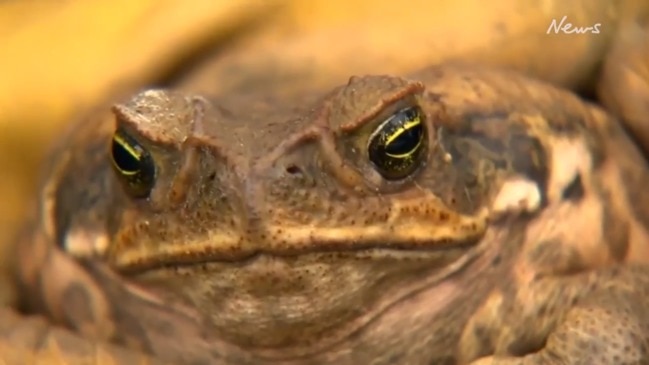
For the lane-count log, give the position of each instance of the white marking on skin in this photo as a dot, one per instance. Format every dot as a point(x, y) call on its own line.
point(516, 195)
point(575, 226)
point(85, 243)
point(569, 157)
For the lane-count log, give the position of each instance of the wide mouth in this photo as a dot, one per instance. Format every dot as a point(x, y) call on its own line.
point(236, 246)
point(134, 263)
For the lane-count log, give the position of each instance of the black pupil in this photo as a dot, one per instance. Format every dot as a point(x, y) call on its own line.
point(406, 141)
point(125, 160)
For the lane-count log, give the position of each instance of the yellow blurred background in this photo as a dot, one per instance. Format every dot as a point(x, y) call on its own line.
point(59, 59)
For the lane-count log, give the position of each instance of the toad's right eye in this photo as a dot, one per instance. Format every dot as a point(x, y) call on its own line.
point(397, 147)
point(133, 165)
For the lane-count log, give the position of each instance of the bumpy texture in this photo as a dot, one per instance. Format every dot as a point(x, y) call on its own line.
point(459, 215)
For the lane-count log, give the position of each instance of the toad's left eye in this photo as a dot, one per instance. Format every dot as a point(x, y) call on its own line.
point(397, 146)
point(133, 164)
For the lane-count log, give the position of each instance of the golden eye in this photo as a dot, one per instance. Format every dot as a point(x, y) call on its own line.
point(397, 145)
point(133, 165)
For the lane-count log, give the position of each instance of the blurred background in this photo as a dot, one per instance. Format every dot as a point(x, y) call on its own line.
point(61, 59)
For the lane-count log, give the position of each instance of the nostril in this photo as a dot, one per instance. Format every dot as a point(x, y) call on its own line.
point(293, 169)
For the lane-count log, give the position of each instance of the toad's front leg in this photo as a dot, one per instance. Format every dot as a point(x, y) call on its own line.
point(599, 317)
point(32, 340)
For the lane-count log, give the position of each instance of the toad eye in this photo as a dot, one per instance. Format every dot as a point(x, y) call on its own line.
point(396, 147)
point(133, 164)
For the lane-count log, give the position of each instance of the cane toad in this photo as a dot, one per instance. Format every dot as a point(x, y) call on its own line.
point(459, 215)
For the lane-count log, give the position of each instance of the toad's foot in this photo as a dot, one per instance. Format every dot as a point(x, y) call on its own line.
point(609, 325)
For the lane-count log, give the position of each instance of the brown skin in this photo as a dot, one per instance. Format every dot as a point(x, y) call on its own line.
point(516, 234)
